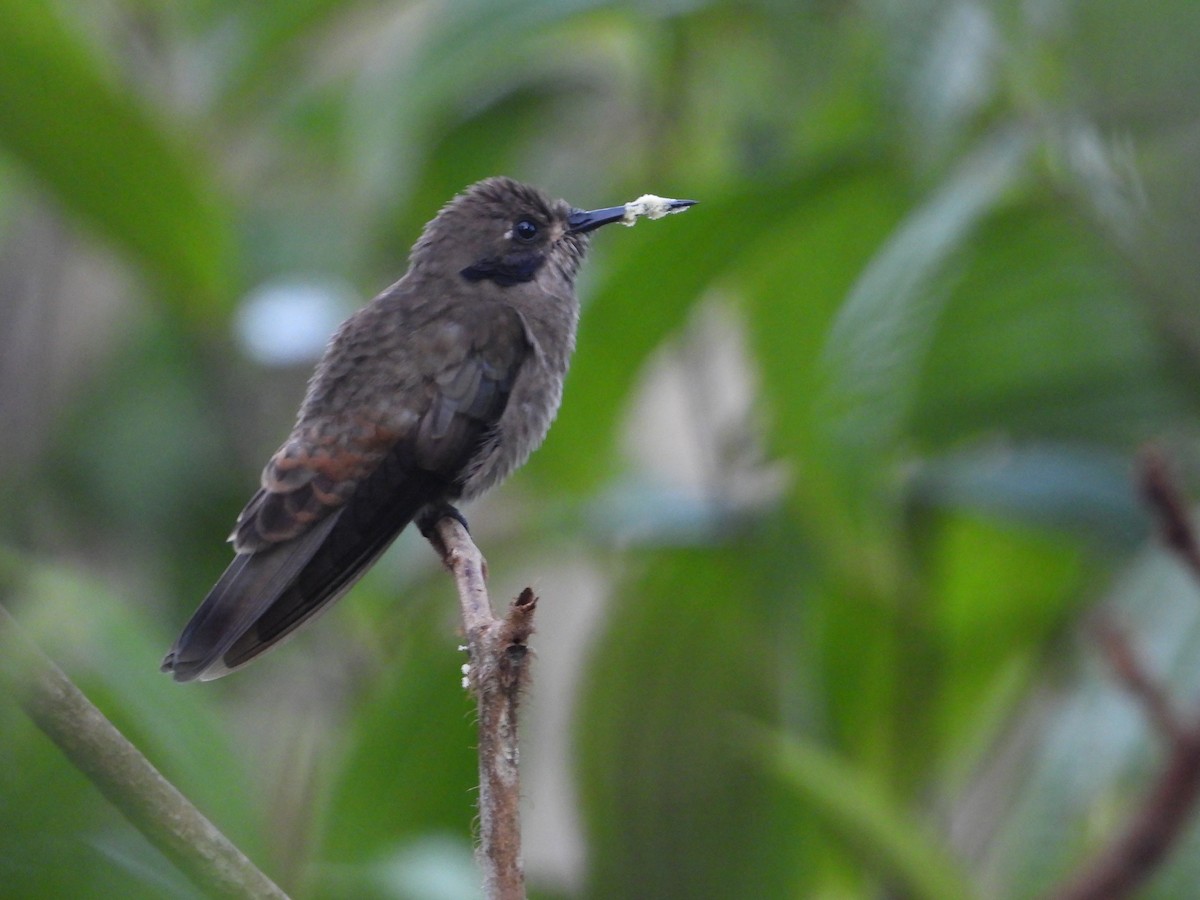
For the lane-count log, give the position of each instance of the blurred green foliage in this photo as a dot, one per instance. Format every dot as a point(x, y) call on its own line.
point(843, 466)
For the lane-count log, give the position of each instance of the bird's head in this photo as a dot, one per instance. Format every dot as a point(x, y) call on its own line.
point(501, 232)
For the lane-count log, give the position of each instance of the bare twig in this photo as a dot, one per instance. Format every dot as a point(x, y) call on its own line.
point(1160, 819)
point(1167, 503)
point(497, 652)
point(1135, 679)
point(1165, 811)
point(123, 774)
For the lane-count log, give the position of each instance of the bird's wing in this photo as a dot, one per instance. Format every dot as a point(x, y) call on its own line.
point(347, 482)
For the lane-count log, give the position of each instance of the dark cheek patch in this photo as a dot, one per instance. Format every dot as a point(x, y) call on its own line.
point(510, 269)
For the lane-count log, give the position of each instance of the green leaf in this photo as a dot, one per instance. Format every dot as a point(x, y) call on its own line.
point(409, 768)
point(1083, 489)
point(998, 593)
point(1042, 339)
point(673, 808)
point(795, 282)
point(72, 838)
point(108, 159)
point(878, 342)
point(862, 811)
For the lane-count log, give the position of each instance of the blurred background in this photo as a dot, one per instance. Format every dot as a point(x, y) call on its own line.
point(842, 474)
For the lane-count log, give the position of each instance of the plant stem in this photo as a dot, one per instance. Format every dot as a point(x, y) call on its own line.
point(122, 774)
point(498, 654)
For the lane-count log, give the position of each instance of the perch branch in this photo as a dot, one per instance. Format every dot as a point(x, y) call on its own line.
point(122, 774)
point(1164, 812)
point(497, 651)
point(1169, 507)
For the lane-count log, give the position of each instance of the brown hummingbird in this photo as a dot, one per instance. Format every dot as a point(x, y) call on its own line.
point(430, 394)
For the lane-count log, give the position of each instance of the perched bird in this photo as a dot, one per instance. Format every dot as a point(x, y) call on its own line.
point(430, 394)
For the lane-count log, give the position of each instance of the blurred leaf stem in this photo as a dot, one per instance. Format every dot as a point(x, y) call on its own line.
point(94, 746)
point(857, 808)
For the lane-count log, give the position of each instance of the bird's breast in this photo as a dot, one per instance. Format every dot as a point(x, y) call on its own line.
point(531, 409)
point(536, 394)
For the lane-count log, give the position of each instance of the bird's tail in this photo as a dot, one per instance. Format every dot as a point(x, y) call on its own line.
point(264, 596)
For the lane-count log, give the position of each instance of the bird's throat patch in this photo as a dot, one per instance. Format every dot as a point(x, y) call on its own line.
point(510, 269)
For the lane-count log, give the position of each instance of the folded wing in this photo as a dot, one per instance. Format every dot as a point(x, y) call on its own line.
point(347, 481)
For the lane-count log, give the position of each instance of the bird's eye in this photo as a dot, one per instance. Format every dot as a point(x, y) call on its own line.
point(525, 230)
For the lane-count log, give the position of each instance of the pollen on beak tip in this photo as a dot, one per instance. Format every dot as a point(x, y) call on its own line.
point(653, 207)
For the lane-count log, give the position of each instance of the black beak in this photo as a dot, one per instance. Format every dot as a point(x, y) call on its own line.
point(582, 221)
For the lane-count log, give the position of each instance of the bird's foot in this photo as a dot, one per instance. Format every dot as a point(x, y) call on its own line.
point(427, 521)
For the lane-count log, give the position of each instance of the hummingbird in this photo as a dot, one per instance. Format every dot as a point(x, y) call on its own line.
point(429, 395)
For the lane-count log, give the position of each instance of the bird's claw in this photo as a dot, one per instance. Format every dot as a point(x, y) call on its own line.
point(427, 522)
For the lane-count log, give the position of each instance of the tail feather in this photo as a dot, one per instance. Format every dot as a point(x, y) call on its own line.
point(265, 595)
point(248, 587)
point(345, 557)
